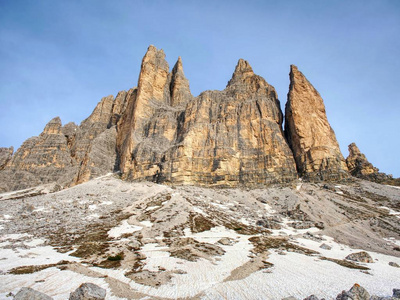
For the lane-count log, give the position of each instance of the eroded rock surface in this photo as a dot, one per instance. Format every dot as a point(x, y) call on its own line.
point(160, 132)
point(42, 159)
point(224, 138)
point(27, 293)
point(309, 133)
point(88, 291)
point(5, 156)
point(360, 167)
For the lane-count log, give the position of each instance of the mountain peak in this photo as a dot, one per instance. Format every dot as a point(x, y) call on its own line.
point(242, 71)
point(53, 126)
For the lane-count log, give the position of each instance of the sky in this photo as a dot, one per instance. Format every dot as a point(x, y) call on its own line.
point(59, 58)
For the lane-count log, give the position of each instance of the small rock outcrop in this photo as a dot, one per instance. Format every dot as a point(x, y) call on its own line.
point(309, 133)
point(88, 291)
point(360, 257)
point(357, 292)
point(26, 293)
point(360, 167)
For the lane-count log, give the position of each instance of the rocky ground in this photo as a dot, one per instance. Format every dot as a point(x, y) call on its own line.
point(139, 240)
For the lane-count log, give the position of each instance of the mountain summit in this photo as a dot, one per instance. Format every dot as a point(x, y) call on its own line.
point(158, 131)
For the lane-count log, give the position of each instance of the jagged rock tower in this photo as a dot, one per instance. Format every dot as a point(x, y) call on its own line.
point(160, 132)
point(309, 133)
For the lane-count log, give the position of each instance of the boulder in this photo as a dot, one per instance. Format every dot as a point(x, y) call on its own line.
point(360, 257)
point(357, 292)
point(88, 291)
point(26, 293)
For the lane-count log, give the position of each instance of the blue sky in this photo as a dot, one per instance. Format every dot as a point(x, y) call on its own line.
point(59, 58)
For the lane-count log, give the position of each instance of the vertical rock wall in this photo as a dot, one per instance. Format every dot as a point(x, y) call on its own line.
point(309, 133)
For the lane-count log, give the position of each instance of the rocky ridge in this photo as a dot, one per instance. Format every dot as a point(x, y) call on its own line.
point(158, 131)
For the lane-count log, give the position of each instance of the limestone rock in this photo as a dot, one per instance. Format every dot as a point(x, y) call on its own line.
point(360, 257)
point(393, 264)
point(357, 292)
point(5, 156)
point(180, 90)
point(91, 127)
point(223, 138)
point(148, 129)
point(40, 160)
point(26, 293)
point(325, 246)
point(312, 297)
point(101, 157)
point(160, 132)
point(88, 291)
point(360, 167)
point(309, 133)
point(233, 137)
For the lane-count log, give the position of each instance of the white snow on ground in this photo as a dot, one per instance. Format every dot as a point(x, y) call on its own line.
point(269, 210)
point(92, 207)
point(300, 276)
point(288, 230)
point(37, 255)
point(123, 228)
point(200, 275)
point(152, 208)
point(395, 187)
point(393, 240)
point(53, 282)
point(93, 216)
point(391, 211)
point(13, 236)
point(146, 223)
point(41, 209)
point(292, 274)
point(106, 203)
point(198, 210)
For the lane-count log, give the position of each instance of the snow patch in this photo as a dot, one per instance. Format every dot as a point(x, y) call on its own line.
point(123, 228)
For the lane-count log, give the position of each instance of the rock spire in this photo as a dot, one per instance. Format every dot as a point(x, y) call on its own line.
point(309, 133)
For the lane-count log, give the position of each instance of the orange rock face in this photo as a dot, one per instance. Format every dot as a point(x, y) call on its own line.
point(224, 138)
point(309, 133)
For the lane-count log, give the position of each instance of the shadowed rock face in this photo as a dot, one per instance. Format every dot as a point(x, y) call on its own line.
point(309, 133)
point(160, 132)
